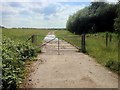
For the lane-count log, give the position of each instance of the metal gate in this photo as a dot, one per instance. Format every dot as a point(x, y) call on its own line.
point(63, 44)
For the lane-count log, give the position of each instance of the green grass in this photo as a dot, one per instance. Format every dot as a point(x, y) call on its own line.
point(60, 33)
point(24, 34)
point(96, 48)
point(69, 37)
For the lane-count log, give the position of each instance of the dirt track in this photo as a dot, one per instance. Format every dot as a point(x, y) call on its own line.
point(70, 69)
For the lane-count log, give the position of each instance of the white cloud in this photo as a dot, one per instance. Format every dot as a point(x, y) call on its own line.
point(112, 1)
point(37, 14)
point(45, 1)
point(109, 1)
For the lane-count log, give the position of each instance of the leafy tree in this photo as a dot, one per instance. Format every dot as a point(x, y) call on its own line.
point(117, 20)
point(98, 17)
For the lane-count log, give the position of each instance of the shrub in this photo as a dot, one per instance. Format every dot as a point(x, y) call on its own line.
point(14, 55)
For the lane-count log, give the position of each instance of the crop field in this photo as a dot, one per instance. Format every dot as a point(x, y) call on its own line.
point(96, 47)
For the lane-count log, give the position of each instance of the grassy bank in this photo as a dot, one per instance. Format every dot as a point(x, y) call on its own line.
point(96, 47)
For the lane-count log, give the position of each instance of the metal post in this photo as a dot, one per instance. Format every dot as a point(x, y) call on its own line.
point(58, 47)
point(106, 39)
point(83, 43)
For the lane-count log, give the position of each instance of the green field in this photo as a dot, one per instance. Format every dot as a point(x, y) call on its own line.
point(24, 34)
point(96, 47)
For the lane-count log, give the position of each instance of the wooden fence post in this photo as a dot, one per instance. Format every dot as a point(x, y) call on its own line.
point(106, 39)
point(83, 43)
point(33, 39)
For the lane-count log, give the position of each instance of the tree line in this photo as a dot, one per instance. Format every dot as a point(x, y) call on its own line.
point(97, 17)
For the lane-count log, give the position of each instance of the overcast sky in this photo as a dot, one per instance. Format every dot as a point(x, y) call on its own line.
point(39, 13)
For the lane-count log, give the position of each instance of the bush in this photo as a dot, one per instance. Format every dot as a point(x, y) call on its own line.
point(14, 55)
